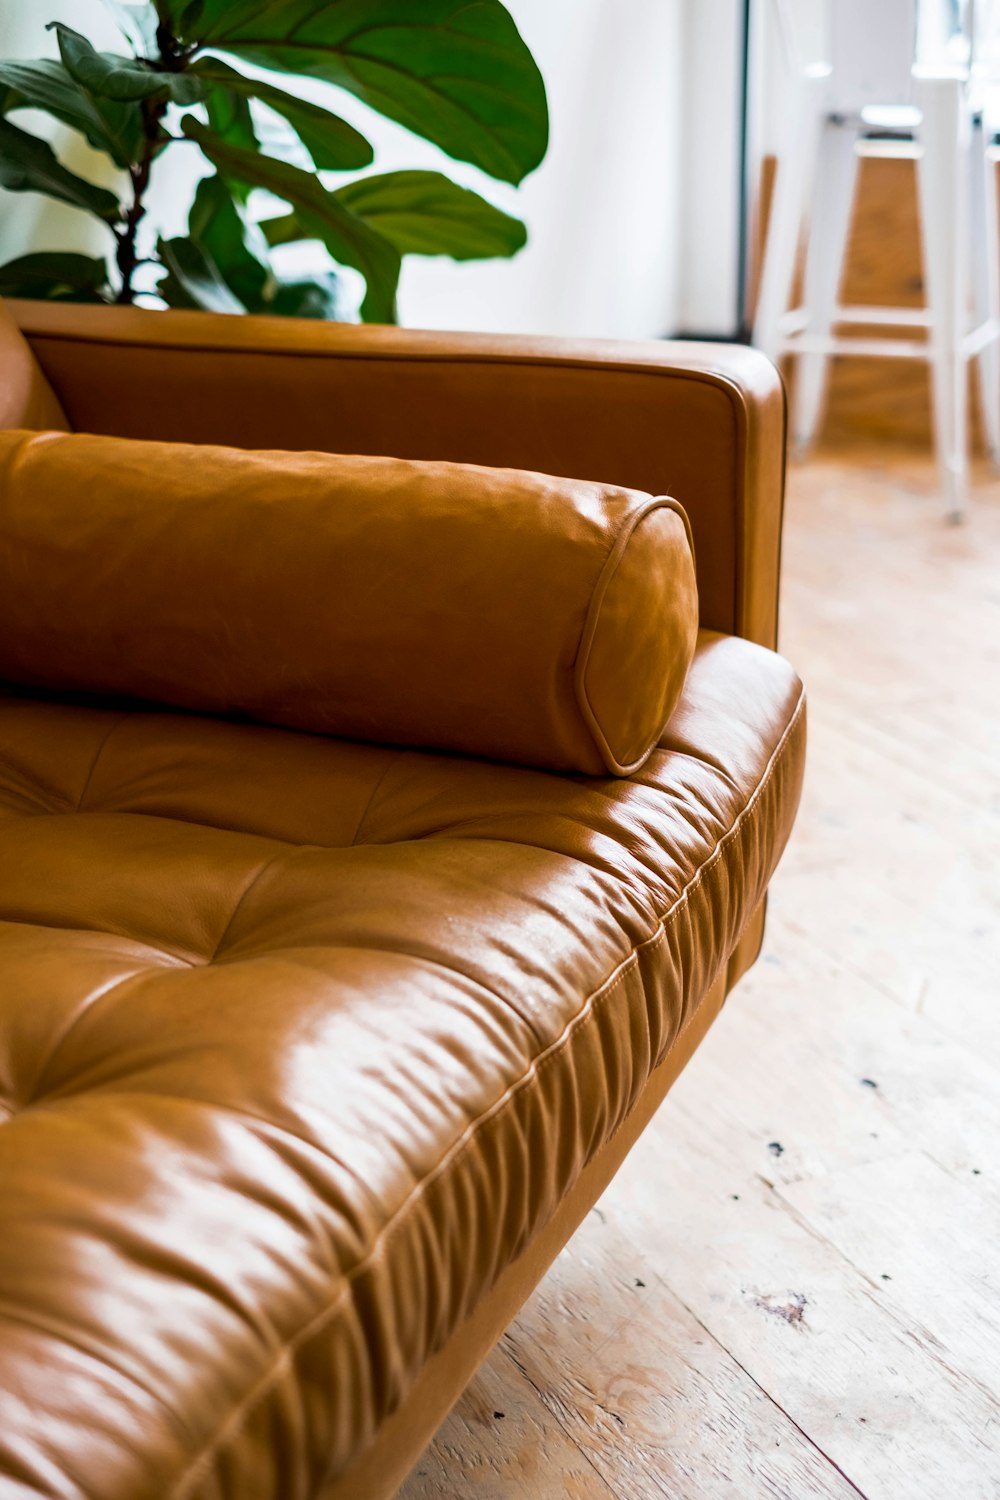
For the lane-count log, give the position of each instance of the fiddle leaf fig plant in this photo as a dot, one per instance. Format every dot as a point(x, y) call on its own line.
point(217, 77)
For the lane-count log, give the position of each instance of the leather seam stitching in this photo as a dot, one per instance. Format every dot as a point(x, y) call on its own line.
point(719, 379)
point(458, 1148)
point(592, 622)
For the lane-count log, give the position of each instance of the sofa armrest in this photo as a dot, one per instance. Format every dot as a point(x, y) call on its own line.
point(701, 422)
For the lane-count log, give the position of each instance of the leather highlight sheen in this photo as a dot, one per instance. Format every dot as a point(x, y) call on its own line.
point(434, 605)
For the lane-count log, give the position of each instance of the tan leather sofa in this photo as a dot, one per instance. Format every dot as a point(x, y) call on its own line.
point(312, 1053)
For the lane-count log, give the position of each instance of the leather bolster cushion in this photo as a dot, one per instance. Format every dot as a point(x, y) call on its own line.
point(494, 612)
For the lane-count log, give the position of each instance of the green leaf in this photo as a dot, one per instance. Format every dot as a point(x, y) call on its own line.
point(421, 213)
point(137, 23)
point(169, 13)
point(349, 239)
point(29, 165)
point(454, 71)
point(188, 13)
point(229, 116)
point(173, 294)
point(55, 276)
point(317, 297)
point(172, 15)
point(110, 76)
point(109, 126)
point(283, 230)
point(425, 213)
point(331, 142)
point(231, 241)
point(194, 280)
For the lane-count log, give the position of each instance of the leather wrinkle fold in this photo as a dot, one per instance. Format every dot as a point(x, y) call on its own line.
point(97, 757)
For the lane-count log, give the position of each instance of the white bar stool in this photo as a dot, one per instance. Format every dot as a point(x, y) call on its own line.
point(872, 87)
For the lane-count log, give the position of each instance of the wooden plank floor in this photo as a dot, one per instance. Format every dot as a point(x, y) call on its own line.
point(792, 1289)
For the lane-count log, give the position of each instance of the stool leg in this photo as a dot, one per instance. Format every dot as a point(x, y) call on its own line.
point(792, 184)
point(833, 202)
point(986, 281)
point(941, 178)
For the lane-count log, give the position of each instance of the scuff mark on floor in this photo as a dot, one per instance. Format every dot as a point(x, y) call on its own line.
point(790, 1308)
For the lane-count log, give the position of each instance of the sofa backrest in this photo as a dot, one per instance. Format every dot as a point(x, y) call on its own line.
point(701, 422)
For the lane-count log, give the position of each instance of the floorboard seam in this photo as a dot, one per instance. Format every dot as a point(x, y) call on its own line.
point(768, 1396)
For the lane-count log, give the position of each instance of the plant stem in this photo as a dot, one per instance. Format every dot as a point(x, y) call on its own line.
point(127, 255)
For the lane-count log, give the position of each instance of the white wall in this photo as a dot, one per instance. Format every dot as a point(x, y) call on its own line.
point(709, 270)
point(29, 221)
point(790, 35)
point(603, 210)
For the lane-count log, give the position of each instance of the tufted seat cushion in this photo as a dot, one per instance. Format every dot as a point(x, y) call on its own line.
point(301, 1042)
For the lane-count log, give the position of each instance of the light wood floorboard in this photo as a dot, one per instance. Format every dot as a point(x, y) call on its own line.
point(792, 1289)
